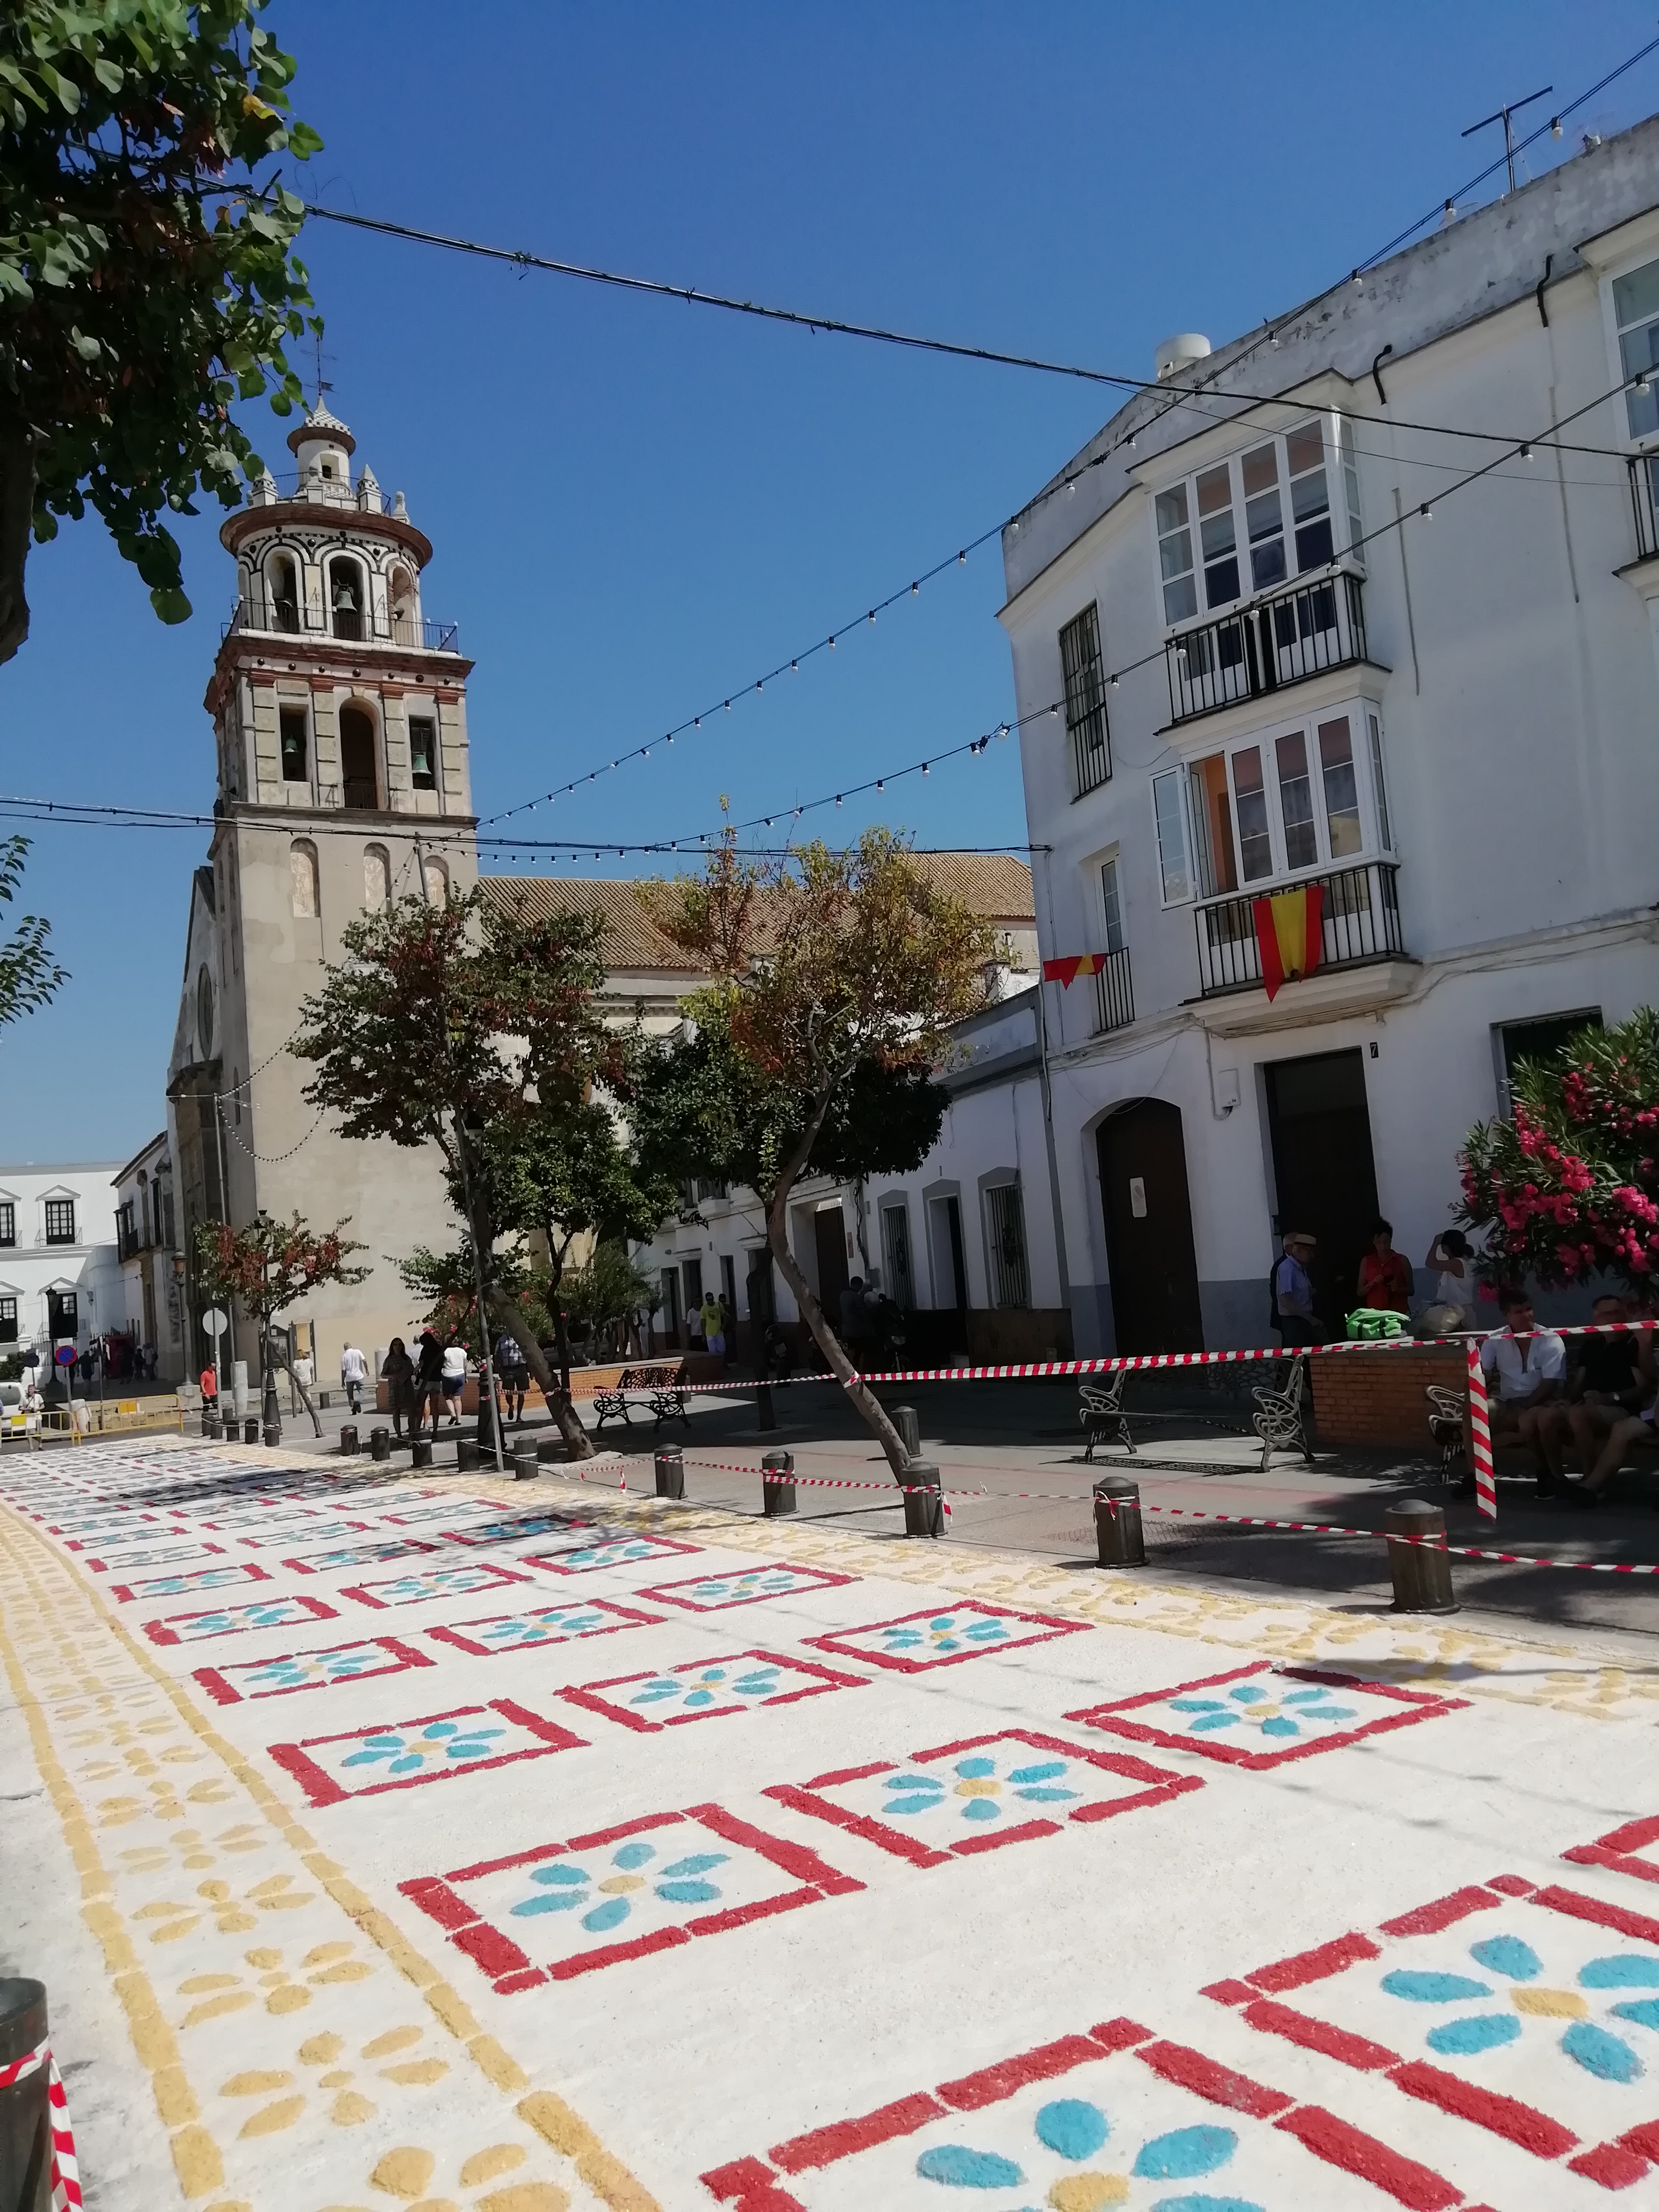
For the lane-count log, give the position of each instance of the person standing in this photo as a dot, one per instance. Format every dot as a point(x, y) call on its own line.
point(210, 1389)
point(398, 1373)
point(713, 1326)
point(1385, 1275)
point(1293, 1306)
point(728, 1328)
point(353, 1373)
point(514, 1374)
point(428, 1381)
point(455, 1381)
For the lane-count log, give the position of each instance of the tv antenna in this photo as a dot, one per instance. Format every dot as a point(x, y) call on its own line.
point(323, 383)
point(1502, 115)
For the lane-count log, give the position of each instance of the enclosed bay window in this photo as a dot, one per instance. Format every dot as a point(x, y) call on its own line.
point(1262, 518)
point(1170, 814)
point(1636, 311)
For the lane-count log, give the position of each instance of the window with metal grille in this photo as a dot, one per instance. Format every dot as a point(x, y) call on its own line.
point(1085, 701)
point(7, 1224)
point(60, 1221)
point(896, 1255)
point(8, 1321)
point(1005, 1229)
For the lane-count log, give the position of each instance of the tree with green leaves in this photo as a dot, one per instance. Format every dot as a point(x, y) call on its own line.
point(147, 280)
point(266, 1268)
point(607, 1290)
point(838, 976)
point(457, 1026)
point(1567, 1186)
point(29, 977)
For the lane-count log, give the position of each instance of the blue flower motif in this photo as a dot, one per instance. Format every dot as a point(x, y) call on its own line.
point(984, 1794)
point(298, 1667)
point(947, 1632)
point(1074, 2129)
point(564, 1887)
point(1602, 2052)
point(406, 1752)
point(1249, 1705)
point(703, 1687)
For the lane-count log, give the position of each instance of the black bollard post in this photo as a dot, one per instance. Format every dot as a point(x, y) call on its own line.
point(765, 1416)
point(212, 1426)
point(904, 1419)
point(25, 2112)
point(421, 1456)
point(924, 1507)
point(349, 1444)
point(777, 1484)
point(251, 1430)
point(1421, 1572)
point(670, 1471)
point(466, 1455)
point(380, 1444)
point(1117, 1522)
point(522, 1463)
point(207, 1419)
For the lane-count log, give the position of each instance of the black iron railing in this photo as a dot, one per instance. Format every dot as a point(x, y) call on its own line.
point(1114, 1000)
point(1359, 920)
point(282, 618)
point(1278, 641)
point(1644, 508)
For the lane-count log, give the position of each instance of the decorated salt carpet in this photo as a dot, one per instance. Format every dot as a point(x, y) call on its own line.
point(461, 1845)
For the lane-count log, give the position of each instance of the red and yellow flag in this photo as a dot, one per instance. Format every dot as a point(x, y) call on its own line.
point(1287, 934)
point(1075, 964)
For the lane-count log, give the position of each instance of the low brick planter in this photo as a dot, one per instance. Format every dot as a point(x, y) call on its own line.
point(1377, 1397)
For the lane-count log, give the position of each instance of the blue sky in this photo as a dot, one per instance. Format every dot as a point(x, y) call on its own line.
point(637, 506)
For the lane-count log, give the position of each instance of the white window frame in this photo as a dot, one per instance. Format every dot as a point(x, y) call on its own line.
point(1638, 441)
point(1179, 820)
point(1341, 496)
point(1358, 714)
point(1108, 894)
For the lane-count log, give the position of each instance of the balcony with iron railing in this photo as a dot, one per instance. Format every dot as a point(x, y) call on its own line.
point(1358, 923)
point(1115, 1001)
point(351, 625)
point(1276, 642)
point(318, 490)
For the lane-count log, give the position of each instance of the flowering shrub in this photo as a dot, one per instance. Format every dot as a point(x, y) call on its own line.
point(1570, 1186)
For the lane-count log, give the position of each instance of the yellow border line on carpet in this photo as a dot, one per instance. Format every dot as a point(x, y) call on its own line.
point(196, 2155)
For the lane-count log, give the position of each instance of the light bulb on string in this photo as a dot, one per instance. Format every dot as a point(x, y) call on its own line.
point(794, 668)
point(1525, 454)
point(832, 645)
point(872, 616)
point(1427, 511)
point(924, 768)
point(962, 560)
point(881, 783)
point(838, 798)
point(914, 588)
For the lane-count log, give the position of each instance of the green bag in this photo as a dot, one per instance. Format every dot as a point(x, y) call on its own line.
point(1366, 1324)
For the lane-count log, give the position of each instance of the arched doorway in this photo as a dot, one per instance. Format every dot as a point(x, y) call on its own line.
point(358, 769)
point(1148, 1229)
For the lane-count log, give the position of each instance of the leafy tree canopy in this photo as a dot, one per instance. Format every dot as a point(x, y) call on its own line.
point(147, 280)
point(271, 1264)
point(1570, 1186)
point(29, 977)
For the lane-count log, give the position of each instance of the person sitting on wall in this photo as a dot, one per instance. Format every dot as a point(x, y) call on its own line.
point(1530, 1364)
point(1604, 1385)
point(1385, 1275)
point(1452, 1309)
point(1292, 1307)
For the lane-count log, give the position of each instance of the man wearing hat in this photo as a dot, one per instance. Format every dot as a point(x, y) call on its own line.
point(1292, 1291)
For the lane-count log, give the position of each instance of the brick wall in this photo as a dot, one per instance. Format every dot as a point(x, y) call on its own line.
point(1376, 1397)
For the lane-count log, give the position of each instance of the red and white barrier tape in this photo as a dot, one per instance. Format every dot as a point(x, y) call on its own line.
point(66, 2173)
point(1188, 1513)
point(1037, 1369)
point(1485, 1488)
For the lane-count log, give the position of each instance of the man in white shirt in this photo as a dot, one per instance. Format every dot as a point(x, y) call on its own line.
point(1530, 1365)
point(353, 1373)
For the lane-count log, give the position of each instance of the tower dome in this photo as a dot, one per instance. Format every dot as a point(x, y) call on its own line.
point(322, 447)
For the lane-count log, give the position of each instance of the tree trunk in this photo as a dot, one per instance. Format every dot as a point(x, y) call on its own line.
point(560, 1331)
point(864, 1402)
point(577, 1442)
point(17, 520)
point(305, 1395)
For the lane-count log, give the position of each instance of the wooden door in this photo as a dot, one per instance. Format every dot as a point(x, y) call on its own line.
point(1149, 1230)
point(830, 1240)
point(1321, 1129)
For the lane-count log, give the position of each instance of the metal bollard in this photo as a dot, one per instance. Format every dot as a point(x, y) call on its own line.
point(207, 1419)
point(765, 1416)
point(466, 1455)
point(380, 1444)
point(924, 1507)
point(251, 1430)
point(1421, 1572)
point(349, 1444)
point(1117, 1522)
point(24, 2114)
point(777, 1484)
point(670, 1471)
point(212, 1426)
point(420, 1454)
point(525, 1463)
point(550, 1451)
point(904, 1419)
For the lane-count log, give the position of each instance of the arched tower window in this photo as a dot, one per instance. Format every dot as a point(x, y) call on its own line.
point(437, 882)
point(401, 593)
point(345, 597)
point(377, 877)
point(359, 769)
point(284, 588)
point(302, 871)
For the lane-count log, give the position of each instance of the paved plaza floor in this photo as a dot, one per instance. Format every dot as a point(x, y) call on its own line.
point(414, 1838)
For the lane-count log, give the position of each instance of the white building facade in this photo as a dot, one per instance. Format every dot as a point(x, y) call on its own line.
point(152, 1266)
point(1274, 642)
point(60, 1278)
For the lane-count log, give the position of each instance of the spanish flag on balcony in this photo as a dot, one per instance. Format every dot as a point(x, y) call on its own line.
point(1075, 964)
point(1287, 934)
